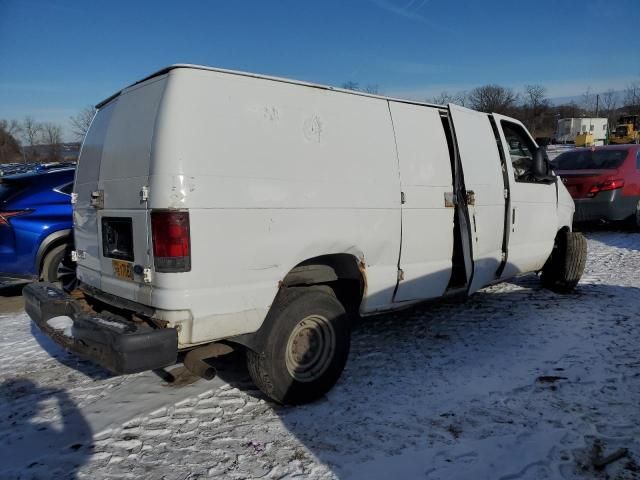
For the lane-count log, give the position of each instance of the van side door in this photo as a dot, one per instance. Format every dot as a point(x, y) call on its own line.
point(484, 191)
point(427, 224)
point(533, 219)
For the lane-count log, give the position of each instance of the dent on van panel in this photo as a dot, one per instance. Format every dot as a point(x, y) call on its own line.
point(181, 187)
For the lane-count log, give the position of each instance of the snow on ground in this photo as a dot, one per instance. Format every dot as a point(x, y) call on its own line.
point(513, 383)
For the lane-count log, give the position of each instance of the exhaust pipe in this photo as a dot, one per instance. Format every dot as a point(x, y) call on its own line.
point(194, 360)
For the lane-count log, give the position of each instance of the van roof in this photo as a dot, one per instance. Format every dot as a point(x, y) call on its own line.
point(265, 77)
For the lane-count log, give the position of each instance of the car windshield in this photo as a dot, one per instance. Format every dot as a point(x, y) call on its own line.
point(590, 160)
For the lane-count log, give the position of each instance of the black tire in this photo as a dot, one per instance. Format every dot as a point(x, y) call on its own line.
point(309, 325)
point(565, 266)
point(57, 267)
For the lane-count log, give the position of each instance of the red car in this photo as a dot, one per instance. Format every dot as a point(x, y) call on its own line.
point(603, 181)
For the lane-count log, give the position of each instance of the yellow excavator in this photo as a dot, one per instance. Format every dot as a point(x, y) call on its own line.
point(627, 130)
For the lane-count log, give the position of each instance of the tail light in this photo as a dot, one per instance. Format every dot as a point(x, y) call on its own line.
point(171, 241)
point(5, 216)
point(605, 186)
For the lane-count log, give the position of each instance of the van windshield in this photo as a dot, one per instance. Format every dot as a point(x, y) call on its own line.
point(590, 160)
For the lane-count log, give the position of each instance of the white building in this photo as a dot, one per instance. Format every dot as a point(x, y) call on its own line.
point(569, 128)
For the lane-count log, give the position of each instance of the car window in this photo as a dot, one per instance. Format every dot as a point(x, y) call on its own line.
point(8, 190)
point(590, 160)
point(66, 188)
point(520, 148)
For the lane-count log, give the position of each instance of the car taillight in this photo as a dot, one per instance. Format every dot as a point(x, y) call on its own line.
point(5, 216)
point(171, 241)
point(604, 186)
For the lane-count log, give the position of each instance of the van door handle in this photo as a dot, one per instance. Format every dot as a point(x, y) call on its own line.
point(471, 197)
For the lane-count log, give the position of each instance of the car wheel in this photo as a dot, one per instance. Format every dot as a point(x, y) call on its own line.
point(566, 263)
point(307, 346)
point(57, 268)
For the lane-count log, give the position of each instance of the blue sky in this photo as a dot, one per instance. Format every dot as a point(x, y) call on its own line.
point(58, 56)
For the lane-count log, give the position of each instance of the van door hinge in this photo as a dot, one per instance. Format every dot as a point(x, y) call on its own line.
point(400, 274)
point(403, 198)
point(146, 275)
point(97, 199)
point(471, 197)
point(74, 198)
point(450, 200)
point(506, 193)
point(144, 193)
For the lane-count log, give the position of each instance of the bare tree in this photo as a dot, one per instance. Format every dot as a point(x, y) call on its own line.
point(80, 123)
point(536, 106)
point(632, 97)
point(609, 104)
point(445, 97)
point(589, 102)
point(350, 85)
point(493, 98)
point(31, 131)
point(372, 89)
point(12, 127)
point(9, 146)
point(535, 96)
point(52, 137)
point(568, 110)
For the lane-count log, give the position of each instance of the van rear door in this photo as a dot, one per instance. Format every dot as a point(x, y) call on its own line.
point(85, 214)
point(116, 230)
point(484, 185)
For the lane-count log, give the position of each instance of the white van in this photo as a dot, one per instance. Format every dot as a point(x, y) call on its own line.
point(216, 208)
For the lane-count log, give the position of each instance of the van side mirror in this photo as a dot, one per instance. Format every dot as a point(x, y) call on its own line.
point(541, 170)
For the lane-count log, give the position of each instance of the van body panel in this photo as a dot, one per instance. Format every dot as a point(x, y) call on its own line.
point(482, 172)
point(427, 224)
point(275, 173)
point(268, 172)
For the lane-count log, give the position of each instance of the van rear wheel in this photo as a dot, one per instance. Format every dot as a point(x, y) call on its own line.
point(307, 346)
point(565, 266)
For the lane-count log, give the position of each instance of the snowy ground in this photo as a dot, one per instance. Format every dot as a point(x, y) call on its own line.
point(515, 382)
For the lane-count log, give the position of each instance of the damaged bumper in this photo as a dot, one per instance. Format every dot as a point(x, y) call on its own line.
point(113, 342)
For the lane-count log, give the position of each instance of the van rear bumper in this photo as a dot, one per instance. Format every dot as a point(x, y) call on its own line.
point(111, 341)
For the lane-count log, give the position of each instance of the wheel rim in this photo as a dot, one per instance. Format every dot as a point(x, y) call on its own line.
point(66, 275)
point(310, 348)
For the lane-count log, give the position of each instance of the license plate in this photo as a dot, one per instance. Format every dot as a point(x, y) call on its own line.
point(122, 269)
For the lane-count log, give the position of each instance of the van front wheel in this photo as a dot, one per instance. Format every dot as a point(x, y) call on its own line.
point(306, 348)
point(566, 264)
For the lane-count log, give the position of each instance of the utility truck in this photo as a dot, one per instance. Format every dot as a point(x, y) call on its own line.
point(218, 210)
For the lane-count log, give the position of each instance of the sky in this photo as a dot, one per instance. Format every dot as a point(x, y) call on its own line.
point(58, 56)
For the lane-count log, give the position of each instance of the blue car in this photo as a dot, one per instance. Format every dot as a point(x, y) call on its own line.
point(36, 227)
